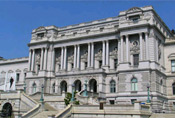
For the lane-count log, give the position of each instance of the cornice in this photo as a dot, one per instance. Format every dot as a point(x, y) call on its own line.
point(16, 60)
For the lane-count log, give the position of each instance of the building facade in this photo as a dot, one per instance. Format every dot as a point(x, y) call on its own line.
point(119, 57)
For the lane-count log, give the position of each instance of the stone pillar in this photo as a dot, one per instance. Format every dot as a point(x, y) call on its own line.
point(45, 59)
point(65, 58)
point(107, 53)
point(89, 54)
point(75, 55)
point(30, 57)
point(53, 60)
point(33, 60)
point(156, 46)
point(127, 48)
point(42, 56)
point(62, 58)
point(78, 56)
point(92, 54)
point(147, 46)
point(141, 46)
point(103, 55)
point(121, 49)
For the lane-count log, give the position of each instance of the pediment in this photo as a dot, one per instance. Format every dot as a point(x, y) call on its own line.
point(41, 28)
point(134, 9)
point(172, 55)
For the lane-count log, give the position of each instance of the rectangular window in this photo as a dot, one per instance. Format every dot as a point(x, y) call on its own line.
point(133, 101)
point(172, 65)
point(174, 105)
point(40, 35)
point(17, 77)
point(111, 101)
point(136, 59)
point(134, 87)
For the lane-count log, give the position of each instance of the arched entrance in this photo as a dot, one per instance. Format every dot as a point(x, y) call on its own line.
point(6, 110)
point(77, 85)
point(63, 86)
point(93, 85)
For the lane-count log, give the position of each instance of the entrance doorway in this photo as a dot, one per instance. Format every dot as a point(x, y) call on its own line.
point(6, 110)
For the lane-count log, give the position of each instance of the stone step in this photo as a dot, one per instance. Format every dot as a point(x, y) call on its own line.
point(162, 116)
point(44, 114)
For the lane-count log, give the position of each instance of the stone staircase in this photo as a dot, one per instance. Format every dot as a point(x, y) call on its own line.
point(45, 114)
point(48, 111)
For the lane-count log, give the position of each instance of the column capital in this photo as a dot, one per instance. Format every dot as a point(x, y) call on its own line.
point(121, 36)
point(126, 35)
point(146, 33)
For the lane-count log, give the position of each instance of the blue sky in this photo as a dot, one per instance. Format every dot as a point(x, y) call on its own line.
point(17, 18)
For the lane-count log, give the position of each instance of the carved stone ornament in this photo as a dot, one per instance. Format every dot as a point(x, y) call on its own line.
point(114, 53)
point(38, 57)
point(134, 9)
point(41, 28)
point(98, 56)
point(71, 59)
point(84, 57)
point(58, 59)
point(135, 47)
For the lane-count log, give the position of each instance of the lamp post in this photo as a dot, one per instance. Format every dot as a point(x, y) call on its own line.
point(148, 90)
point(85, 89)
point(73, 87)
point(42, 92)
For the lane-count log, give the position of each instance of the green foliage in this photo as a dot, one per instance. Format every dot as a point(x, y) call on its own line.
point(68, 97)
point(76, 102)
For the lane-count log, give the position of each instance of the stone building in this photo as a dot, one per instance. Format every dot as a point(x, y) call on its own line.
point(119, 57)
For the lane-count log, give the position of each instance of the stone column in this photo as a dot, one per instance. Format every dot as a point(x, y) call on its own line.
point(33, 60)
point(127, 48)
point(75, 55)
point(92, 54)
point(65, 58)
point(147, 46)
point(62, 58)
point(30, 57)
point(78, 56)
point(141, 46)
point(103, 56)
point(53, 60)
point(121, 49)
point(45, 59)
point(107, 53)
point(89, 54)
point(41, 62)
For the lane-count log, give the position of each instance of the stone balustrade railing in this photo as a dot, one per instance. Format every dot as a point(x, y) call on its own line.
point(34, 110)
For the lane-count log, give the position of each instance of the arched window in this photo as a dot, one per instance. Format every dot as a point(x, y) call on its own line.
point(173, 87)
point(134, 84)
point(112, 86)
point(53, 88)
point(34, 88)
